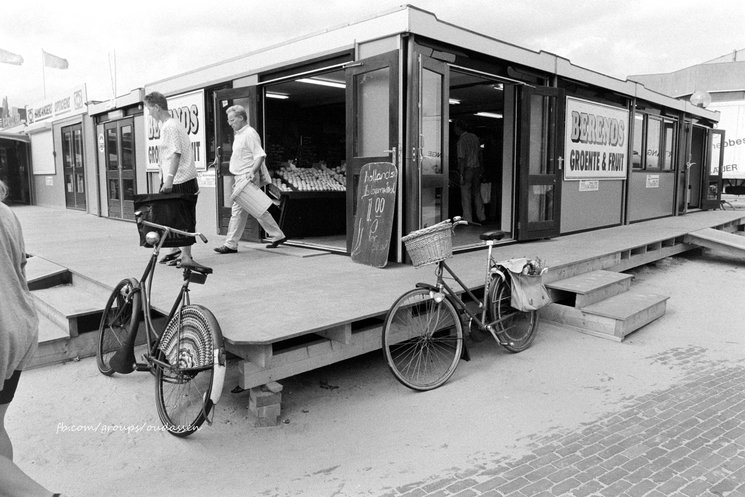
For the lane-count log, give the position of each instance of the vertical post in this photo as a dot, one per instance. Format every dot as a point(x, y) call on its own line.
point(44, 73)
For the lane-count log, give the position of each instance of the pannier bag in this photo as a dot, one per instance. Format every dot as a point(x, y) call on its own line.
point(175, 210)
point(528, 292)
point(526, 283)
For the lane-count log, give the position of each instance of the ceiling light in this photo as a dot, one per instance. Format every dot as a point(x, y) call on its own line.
point(493, 115)
point(498, 86)
point(279, 96)
point(322, 82)
point(454, 101)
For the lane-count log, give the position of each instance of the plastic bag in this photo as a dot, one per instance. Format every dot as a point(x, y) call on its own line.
point(486, 192)
point(175, 210)
point(528, 292)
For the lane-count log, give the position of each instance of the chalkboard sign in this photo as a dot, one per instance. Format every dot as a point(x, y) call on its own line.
point(376, 201)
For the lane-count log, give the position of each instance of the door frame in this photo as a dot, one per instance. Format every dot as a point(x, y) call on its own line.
point(416, 179)
point(391, 61)
point(75, 199)
point(223, 208)
point(710, 179)
point(552, 147)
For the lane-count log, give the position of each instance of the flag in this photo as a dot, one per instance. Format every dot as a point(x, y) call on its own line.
point(10, 57)
point(53, 61)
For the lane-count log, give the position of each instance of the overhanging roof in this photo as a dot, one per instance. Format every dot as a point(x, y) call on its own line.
point(20, 137)
point(407, 19)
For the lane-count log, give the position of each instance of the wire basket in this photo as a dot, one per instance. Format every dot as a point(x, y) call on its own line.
point(430, 245)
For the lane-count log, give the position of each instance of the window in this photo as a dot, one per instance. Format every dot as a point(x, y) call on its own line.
point(656, 136)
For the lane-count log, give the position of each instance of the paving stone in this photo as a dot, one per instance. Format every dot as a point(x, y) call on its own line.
point(654, 446)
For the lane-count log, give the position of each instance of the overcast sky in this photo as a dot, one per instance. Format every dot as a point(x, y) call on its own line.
point(159, 38)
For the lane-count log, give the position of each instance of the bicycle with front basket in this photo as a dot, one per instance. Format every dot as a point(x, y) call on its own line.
point(423, 332)
point(187, 357)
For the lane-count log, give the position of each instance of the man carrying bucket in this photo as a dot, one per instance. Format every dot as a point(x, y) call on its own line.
point(247, 164)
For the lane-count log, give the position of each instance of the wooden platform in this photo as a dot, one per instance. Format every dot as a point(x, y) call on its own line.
point(283, 312)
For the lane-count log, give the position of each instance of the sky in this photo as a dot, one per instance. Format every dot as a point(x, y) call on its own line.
point(114, 48)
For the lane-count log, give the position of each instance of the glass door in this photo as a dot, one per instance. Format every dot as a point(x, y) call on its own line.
point(120, 168)
point(713, 174)
point(541, 163)
point(428, 186)
point(372, 122)
point(223, 100)
point(72, 164)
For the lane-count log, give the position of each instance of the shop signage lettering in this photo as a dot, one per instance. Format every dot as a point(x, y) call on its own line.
point(188, 109)
point(732, 121)
point(376, 201)
point(69, 105)
point(595, 141)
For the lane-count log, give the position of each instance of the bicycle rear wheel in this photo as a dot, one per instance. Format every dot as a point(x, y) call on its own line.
point(422, 339)
point(120, 316)
point(515, 328)
point(190, 384)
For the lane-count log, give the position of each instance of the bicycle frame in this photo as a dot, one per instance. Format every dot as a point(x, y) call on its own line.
point(144, 287)
point(492, 271)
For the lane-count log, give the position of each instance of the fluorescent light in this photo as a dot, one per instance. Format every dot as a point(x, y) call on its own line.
point(454, 101)
point(279, 96)
point(493, 115)
point(322, 82)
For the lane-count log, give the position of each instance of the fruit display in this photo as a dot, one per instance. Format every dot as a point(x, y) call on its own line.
point(310, 179)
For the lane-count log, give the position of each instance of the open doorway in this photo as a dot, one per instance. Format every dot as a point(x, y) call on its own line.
point(305, 134)
point(481, 106)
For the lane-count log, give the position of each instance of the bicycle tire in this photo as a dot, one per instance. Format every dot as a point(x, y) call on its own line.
point(422, 339)
point(121, 314)
point(515, 329)
point(188, 389)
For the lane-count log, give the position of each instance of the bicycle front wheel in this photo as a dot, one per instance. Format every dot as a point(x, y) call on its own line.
point(120, 316)
point(422, 339)
point(189, 384)
point(515, 328)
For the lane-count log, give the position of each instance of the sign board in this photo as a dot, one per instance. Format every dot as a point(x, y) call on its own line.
point(732, 121)
point(67, 105)
point(376, 202)
point(589, 185)
point(188, 109)
point(595, 141)
point(653, 181)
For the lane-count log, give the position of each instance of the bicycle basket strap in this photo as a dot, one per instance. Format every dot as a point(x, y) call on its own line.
point(528, 292)
point(185, 343)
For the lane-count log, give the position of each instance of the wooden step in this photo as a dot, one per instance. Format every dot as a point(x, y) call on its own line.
point(41, 273)
point(718, 240)
point(612, 318)
point(66, 305)
point(591, 287)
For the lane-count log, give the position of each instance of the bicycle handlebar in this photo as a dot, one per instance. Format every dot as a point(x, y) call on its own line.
point(169, 229)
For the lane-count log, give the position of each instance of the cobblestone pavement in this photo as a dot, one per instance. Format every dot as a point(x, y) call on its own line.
point(688, 440)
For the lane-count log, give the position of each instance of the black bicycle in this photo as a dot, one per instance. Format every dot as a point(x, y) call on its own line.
point(423, 332)
point(187, 357)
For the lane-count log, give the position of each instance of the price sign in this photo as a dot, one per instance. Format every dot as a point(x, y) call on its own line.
point(376, 201)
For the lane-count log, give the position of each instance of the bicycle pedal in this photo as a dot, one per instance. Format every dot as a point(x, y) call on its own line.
point(141, 366)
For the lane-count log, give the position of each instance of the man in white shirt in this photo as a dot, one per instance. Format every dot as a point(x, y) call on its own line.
point(247, 161)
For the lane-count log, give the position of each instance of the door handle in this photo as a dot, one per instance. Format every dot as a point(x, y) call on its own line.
point(392, 151)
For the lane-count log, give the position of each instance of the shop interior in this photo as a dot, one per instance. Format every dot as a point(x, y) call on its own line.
point(479, 103)
point(305, 133)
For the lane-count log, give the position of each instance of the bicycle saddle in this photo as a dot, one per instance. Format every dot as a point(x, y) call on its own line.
point(195, 266)
point(492, 235)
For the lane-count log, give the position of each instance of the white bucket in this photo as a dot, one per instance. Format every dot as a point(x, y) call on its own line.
point(250, 197)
